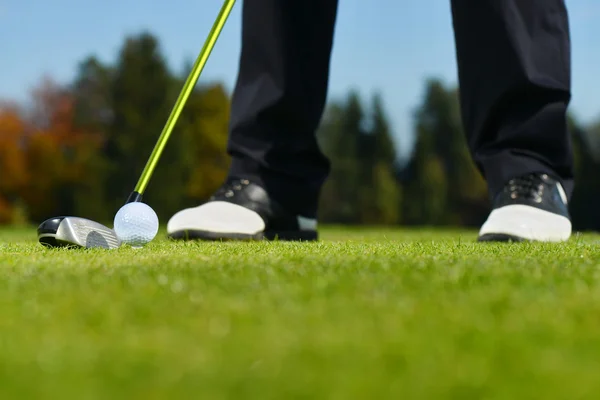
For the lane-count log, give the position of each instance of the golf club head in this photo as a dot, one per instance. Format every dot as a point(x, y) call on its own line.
point(76, 232)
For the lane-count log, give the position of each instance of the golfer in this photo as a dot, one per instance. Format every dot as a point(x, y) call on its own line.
point(515, 86)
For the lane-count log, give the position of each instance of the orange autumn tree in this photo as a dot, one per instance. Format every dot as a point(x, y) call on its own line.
point(13, 170)
point(56, 154)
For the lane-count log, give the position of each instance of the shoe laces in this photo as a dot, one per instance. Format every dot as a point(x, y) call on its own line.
point(230, 187)
point(530, 187)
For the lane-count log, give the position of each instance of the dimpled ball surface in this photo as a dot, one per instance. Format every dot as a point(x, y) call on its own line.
point(136, 224)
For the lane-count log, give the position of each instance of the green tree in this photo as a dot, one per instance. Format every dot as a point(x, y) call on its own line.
point(91, 90)
point(142, 93)
point(93, 113)
point(441, 165)
point(583, 207)
point(339, 136)
point(425, 186)
point(361, 188)
point(204, 127)
point(379, 189)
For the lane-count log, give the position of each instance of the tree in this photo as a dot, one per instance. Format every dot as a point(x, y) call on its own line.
point(52, 154)
point(204, 125)
point(361, 188)
point(379, 199)
point(91, 91)
point(13, 169)
point(81, 148)
point(442, 167)
point(142, 92)
point(584, 211)
point(425, 188)
point(92, 115)
point(339, 137)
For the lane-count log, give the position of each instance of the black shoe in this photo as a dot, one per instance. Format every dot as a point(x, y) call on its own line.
point(533, 208)
point(240, 210)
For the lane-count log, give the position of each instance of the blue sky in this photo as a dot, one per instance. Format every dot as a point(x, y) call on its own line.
point(390, 46)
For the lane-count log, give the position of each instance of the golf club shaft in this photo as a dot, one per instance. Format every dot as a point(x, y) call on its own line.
point(191, 81)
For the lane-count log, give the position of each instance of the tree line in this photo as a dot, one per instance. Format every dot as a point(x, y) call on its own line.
point(78, 149)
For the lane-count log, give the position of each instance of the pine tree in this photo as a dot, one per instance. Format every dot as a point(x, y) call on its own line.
point(380, 191)
point(445, 187)
point(143, 92)
point(340, 136)
point(362, 188)
point(93, 113)
point(584, 209)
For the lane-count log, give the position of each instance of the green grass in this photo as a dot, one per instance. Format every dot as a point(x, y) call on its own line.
point(363, 314)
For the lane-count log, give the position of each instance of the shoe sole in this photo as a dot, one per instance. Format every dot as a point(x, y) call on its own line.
point(188, 235)
point(500, 237)
point(523, 223)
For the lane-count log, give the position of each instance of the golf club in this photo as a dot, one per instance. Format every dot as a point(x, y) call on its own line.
point(76, 232)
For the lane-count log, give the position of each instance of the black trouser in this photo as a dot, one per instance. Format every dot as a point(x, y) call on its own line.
point(514, 74)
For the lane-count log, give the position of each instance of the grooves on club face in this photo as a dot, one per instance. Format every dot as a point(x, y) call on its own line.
point(75, 232)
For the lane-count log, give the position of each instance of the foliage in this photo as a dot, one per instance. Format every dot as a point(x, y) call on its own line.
point(13, 171)
point(80, 148)
point(584, 210)
point(445, 187)
point(361, 188)
point(45, 157)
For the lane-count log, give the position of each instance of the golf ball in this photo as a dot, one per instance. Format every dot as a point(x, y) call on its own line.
point(136, 224)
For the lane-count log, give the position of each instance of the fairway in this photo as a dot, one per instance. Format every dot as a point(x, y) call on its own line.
point(362, 314)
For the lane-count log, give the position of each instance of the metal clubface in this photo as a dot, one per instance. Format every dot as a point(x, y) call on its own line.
point(76, 232)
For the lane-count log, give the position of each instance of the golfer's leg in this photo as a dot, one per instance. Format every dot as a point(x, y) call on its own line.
point(514, 72)
point(280, 96)
point(277, 167)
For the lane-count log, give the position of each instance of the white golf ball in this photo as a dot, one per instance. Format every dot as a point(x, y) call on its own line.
point(136, 224)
